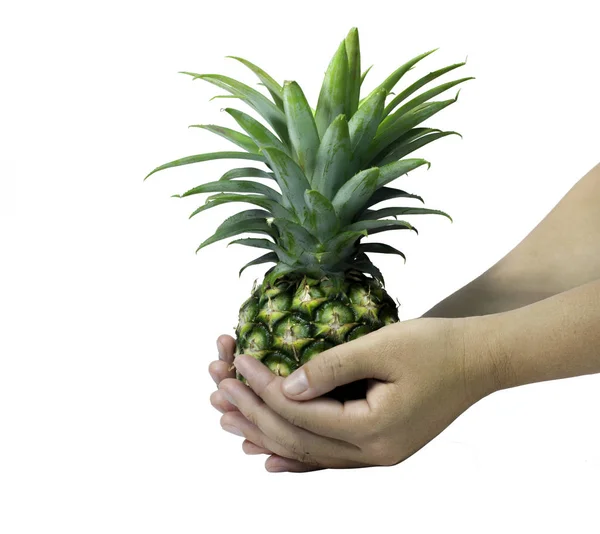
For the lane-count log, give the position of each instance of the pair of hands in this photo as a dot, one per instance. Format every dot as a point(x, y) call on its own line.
point(422, 374)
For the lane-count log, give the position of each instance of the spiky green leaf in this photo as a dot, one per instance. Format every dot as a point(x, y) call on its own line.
point(301, 126)
point(418, 100)
point(270, 257)
point(320, 218)
point(395, 211)
point(394, 130)
point(275, 208)
point(354, 194)
point(388, 193)
point(333, 159)
point(290, 178)
point(380, 248)
point(249, 221)
point(234, 186)
point(207, 157)
point(354, 77)
point(246, 172)
point(294, 238)
point(400, 97)
point(237, 138)
point(374, 227)
point(332, 98)
point(399, 150)
point(363, 125)
point(272, 86)
point(257, 101)
point(389, 83)
point(260, 134)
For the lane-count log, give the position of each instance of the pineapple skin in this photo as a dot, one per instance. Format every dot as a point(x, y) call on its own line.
point(289, 323)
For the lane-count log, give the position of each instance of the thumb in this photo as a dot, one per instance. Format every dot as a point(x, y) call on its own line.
point(335, 367)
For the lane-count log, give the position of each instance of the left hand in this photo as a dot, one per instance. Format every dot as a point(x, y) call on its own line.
point(422, 375)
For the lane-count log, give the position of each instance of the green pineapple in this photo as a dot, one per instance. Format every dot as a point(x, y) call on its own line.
point(329, 168)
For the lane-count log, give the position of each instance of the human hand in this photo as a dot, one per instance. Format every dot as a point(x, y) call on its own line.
point(422, 375)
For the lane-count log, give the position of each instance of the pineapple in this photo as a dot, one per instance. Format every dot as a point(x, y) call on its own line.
point(329, 167)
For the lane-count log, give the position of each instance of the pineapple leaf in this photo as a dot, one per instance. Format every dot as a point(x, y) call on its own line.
point(222, 96)
point(301, 126)
point(403, 124)
point(389, 83)
point(206, 157)
point(398, 151)
point(275, 209)
point(424, 97)
point(394, 211)
point(412, 135)
point(249, 221)
point(293, 237)
point(355, 193)
point(320, 218)
point(354, 77)
point(270, 257)
point(365, 265)
point(290, 178)
point(259, 133)
point(417, 85)
point(344, 243)
point(272, 86)
point(363, 125)
point(380, 248)
point(387, 193)
point(265, 244)
point(333, 159)
point(374, 227)
point(394, 170)
point(238, 138)
point(332, 98)
point(234, 186)
point(256, 100)
point(274, 274)
point(364, 75)
point(246, 172)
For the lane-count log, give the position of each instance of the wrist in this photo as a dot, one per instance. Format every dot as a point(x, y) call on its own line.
point(487, 365)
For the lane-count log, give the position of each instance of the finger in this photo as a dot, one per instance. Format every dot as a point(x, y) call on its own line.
point(221, 403)
point(226, 348)
point(251, 448)
point(236, 423)
point(304, 444)
point(335, 367)
point(323, 416)
point(220, 370)
point(278, 464)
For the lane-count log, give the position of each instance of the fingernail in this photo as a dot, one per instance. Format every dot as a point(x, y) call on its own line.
point(233, 430)
point(296, 383)
point(221, 350)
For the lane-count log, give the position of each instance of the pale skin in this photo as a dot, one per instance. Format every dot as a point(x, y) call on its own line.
point(534, 316)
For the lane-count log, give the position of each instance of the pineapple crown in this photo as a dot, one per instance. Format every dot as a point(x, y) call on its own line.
point(330, 165)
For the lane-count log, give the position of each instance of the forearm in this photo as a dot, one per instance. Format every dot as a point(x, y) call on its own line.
point(561, 253)
point(558, 337)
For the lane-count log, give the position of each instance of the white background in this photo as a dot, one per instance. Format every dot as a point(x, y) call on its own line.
point(109, 319)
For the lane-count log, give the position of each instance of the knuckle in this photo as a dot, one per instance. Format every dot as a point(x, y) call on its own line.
point(331, 365)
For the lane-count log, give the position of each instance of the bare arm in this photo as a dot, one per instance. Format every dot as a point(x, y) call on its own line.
point(558, 337)
point(561, 253)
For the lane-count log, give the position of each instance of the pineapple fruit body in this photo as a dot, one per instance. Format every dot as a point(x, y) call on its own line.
point(286, 324)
